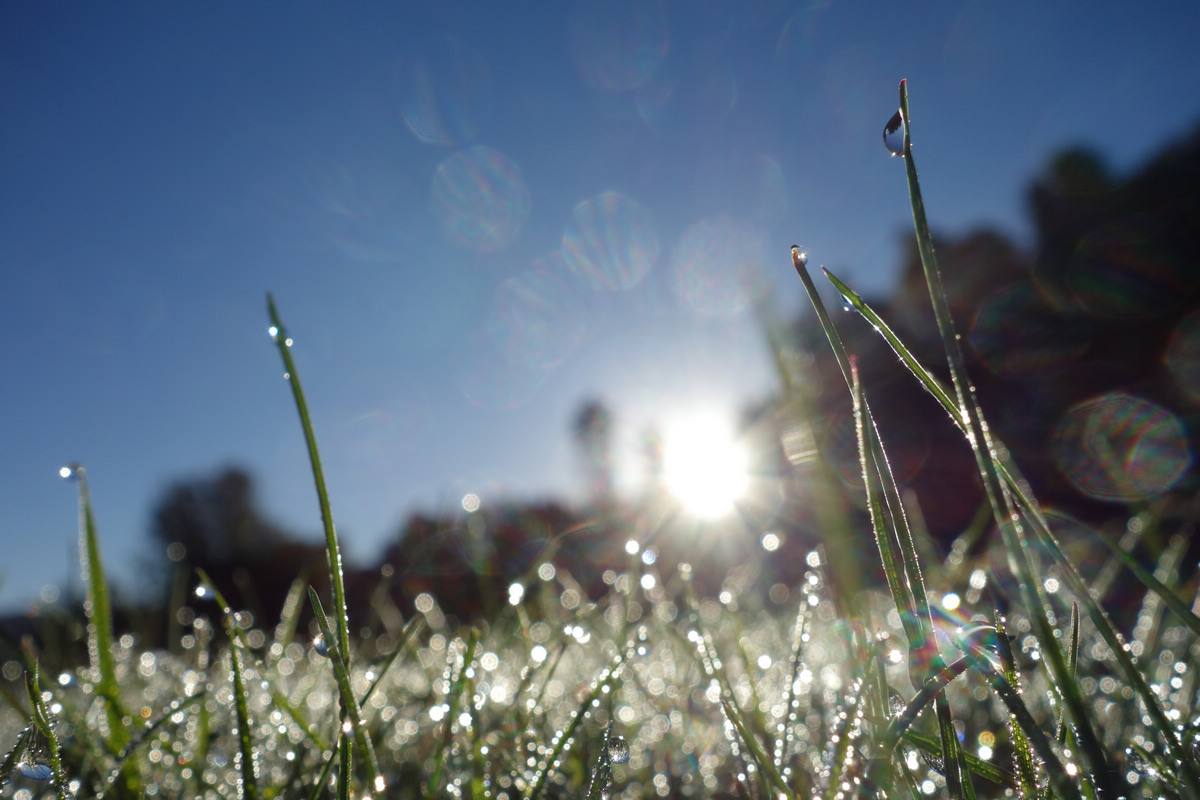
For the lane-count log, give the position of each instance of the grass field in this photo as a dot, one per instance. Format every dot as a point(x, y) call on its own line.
point(653, 690)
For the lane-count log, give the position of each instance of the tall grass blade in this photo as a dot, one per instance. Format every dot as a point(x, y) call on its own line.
point(283, 343)
point(98, 610)
point(350, 708)
point(333, 555)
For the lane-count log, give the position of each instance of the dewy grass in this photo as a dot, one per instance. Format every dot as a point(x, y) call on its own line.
point(797, 692)
point(333, 555)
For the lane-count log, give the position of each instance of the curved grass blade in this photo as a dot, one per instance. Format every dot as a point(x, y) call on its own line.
point(333, 555)
point(41, 721)
point(98, 610)
point(350, 708)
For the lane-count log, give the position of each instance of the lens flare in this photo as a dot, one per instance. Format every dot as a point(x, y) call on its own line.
point(1121, 448)
point(704, 466)
point(714, 263)
point(536, 317)
point(446, 90)
point(610, 243)
point(480, 197)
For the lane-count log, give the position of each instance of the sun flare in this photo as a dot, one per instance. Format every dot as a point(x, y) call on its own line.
point(705, 467)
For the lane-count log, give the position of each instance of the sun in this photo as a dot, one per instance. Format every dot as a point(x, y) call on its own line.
point(704, 465)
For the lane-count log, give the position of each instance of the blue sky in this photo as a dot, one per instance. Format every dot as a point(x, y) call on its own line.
point(405, 178)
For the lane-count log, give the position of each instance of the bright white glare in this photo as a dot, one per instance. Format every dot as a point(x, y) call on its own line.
point(704, 466)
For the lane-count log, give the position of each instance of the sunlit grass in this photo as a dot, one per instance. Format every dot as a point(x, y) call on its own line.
point(821, 690)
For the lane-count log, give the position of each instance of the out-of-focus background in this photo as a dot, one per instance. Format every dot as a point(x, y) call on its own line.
point(535, 260)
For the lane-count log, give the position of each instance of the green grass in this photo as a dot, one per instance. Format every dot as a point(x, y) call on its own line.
point(834, 689)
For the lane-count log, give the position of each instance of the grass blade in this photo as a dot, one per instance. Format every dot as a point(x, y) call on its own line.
point(924, 658)
point(1064, 785)
point(1027, 779)
point(1067, 686)
point(350, 709)
point(333, 555)
point(98, 610)
point(13, 756)
point(248, 787)
point(1178, 607)
point(410, 631)
point(41, 721)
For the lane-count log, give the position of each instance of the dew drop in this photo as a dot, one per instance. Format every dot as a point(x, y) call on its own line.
point(618, 750)
point(893, 134)
point(203, 592)
point(799, 256)
point(34, 771)
point(321, 646)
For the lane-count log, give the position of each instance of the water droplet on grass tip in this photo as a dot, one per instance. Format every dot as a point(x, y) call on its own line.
point(618, 750)
point(34, 772)
point(893, 134)
point(799, 256)
point(70, 471)
point(321, 646)
point(204, 592)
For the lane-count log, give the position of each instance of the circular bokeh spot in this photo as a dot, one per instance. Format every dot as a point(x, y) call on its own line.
point(1121, 448)
point(537, 317)
point(1183, 355)
point(1016, 334)
point(446, 90)
point(715, 263)
point(480, 198)
point(610, 243)
point(617, 45)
